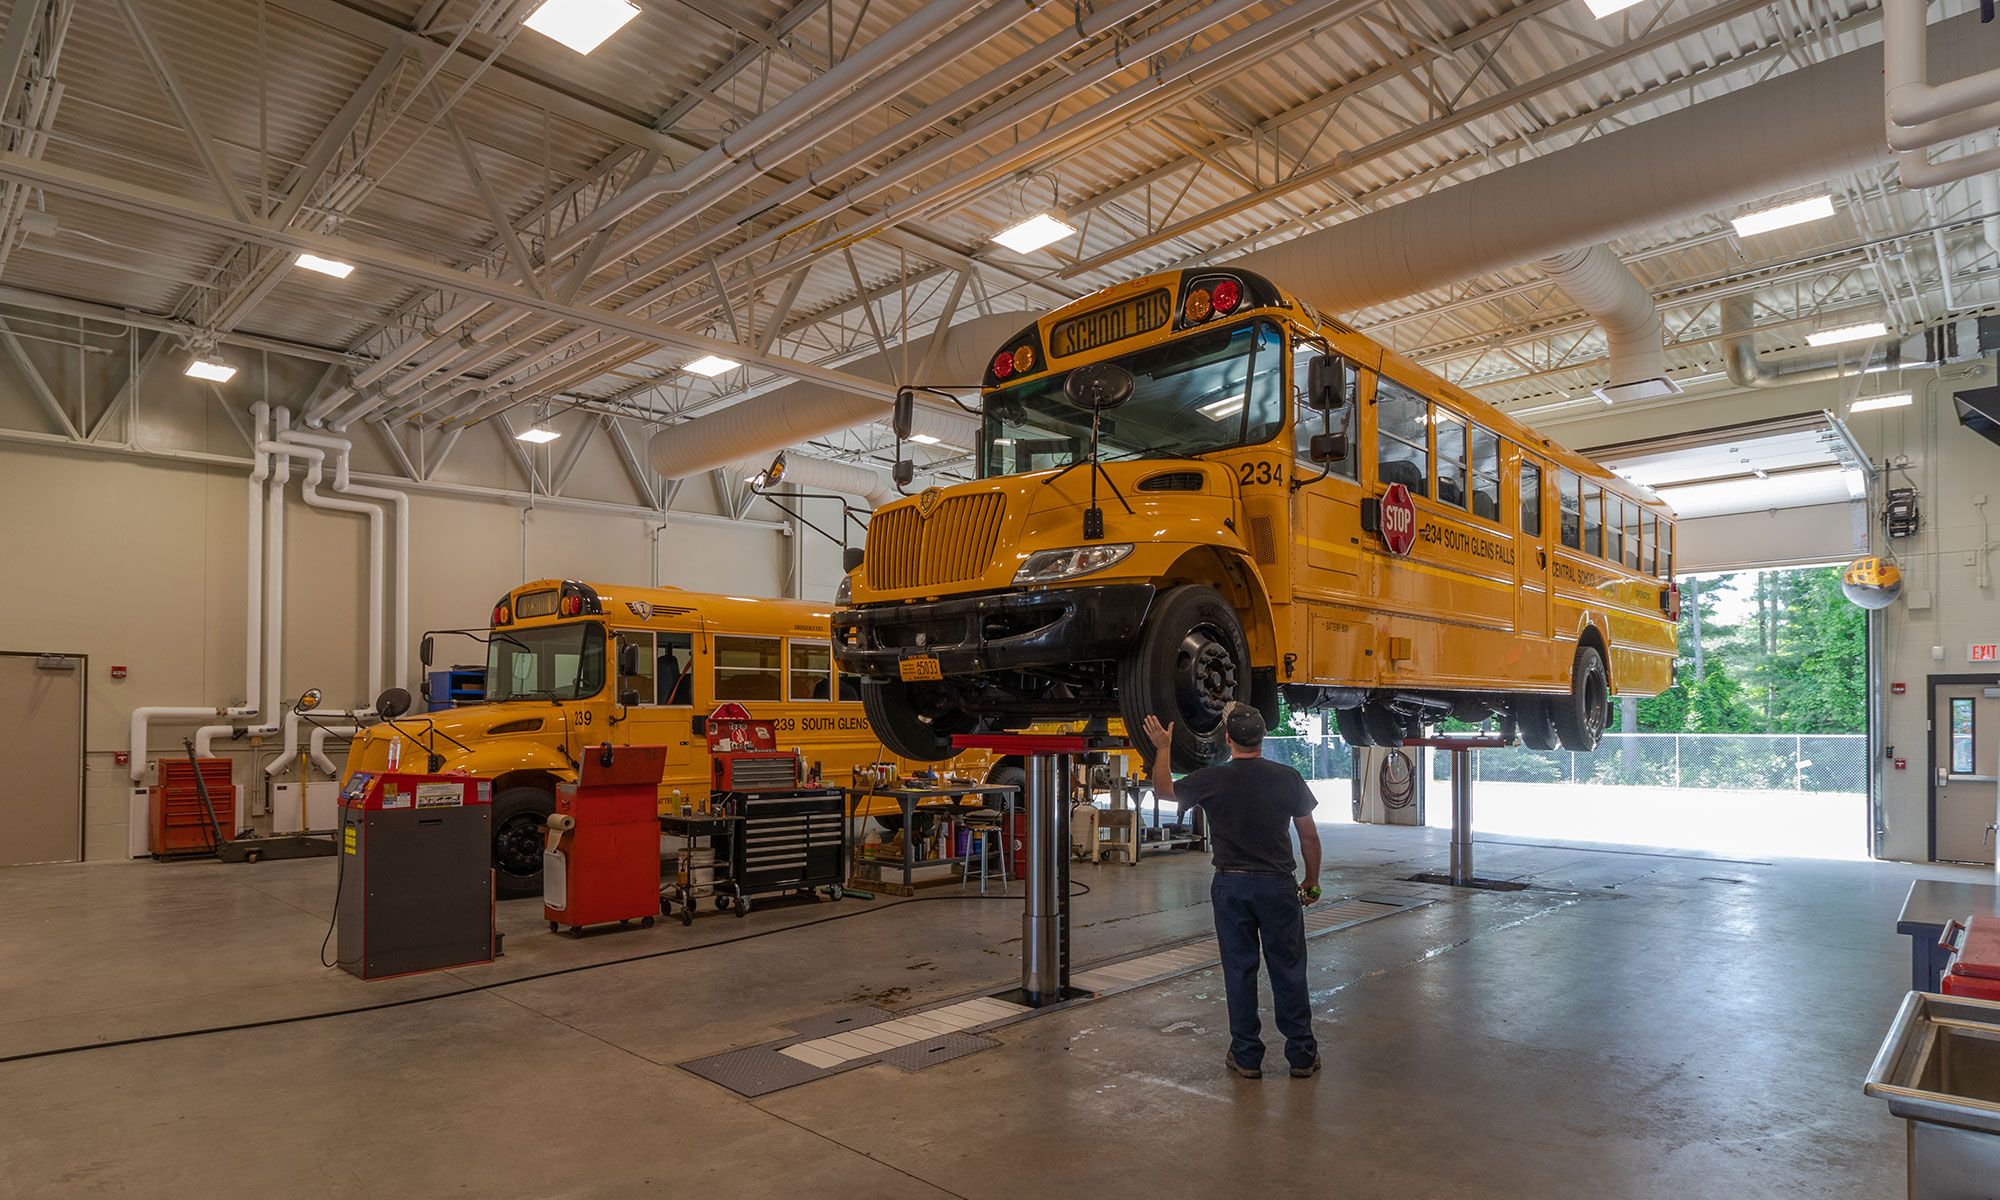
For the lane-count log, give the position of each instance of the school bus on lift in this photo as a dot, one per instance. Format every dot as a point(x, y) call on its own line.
point(552, 650)
point(1194, 489)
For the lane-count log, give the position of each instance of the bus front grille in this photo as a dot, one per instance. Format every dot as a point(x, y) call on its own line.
point(954, 544)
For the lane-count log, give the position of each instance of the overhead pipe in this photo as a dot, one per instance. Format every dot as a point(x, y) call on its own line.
point(763, 425)
point(1604, 288)
point(1910, 99)
point(861, 69)
point(1739, 352)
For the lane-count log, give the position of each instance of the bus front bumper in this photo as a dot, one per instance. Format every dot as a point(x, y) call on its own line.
point(1004, 631)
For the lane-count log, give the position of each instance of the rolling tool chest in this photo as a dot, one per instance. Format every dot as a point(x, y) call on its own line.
point(179, 823)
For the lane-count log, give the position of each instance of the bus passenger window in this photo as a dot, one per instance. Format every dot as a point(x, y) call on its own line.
point(1614, 528)
point(1450, 457)
point(1531, 499)
point(640, 681)
point(749, 668)
point(1569, 487)
point(1402, 442)
point(1485, 474)
point(1666, 550)
point(1632, 514)
point(1649, 561)
point(676, 672)
point(812, 671)
point(1593, 523)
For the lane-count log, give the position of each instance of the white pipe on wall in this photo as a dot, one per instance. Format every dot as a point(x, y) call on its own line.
point(400, 586)
point(320, 758)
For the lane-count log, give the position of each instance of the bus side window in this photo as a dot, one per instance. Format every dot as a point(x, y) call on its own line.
point(1402, 437)
point(640, 681)
point(1569, 488)
point(1593, 522)
point(676, 670)
point(749, 668)
point(1614, 527)
point(1531, 499)
point(1650, 560)
point(1632, 514)
point(1666, 549)
point(1485, 474)
point(812, 671)
point(1450, 456)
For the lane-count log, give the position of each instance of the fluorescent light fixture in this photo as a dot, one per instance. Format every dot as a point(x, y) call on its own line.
point(925, 439)
point(1798, 212)
point(1003, 441)
point(1847, 333)
point(1890, 400)
point(210, 367)
point(325, 266)
point(1228, 406)
point(711, 365)
point(582, 25)
point(1034, 233)
point(1604, 8)
point(537, 434)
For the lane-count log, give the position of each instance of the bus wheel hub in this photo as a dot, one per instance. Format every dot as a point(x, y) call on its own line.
point(1208, 673)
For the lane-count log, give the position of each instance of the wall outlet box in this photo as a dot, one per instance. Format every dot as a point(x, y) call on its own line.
point(1937, 653)
point(1917, 601)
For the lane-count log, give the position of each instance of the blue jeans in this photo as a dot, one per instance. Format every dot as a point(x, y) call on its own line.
point(1250, 909)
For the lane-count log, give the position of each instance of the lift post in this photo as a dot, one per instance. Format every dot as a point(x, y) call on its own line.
point(1049, 762)
point(1461, 810)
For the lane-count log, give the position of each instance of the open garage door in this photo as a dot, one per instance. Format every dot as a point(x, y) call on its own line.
point(1781, 493)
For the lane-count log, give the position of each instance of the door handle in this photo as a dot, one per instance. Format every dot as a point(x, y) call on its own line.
point(1542, 558)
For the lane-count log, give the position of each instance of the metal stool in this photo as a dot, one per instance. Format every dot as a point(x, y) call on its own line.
point(982, 833)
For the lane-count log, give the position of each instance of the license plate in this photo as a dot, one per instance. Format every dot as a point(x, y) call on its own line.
point(921, 668)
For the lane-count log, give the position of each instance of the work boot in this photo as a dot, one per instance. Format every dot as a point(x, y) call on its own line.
point(1306, 1072)
point(1238, 1069)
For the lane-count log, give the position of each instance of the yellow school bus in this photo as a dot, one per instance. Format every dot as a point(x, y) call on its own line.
point(1194, 489)
point(552, 651)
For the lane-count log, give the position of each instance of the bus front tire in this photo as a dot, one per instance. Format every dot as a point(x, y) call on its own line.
point(1191, 660)
point(1580, 716)
point(1535, 720)
point(519, 817)
point(891, 707)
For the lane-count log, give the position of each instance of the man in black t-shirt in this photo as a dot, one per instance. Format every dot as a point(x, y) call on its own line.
point(1249, 801)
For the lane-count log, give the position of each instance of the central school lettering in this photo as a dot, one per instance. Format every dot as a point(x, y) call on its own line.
point(1458, 541)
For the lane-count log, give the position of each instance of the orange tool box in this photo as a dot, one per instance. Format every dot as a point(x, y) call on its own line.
point(602, 861)
point(179, 825)
point(1974, 970)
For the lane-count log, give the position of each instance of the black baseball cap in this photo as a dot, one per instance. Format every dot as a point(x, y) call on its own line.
point(1244, 724)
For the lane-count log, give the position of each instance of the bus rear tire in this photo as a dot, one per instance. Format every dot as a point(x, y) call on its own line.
point(1580, 716)
point(1352, 727)
point(1535, 719)
point(1387, 727)
point(891, 707)
point(1191, 660)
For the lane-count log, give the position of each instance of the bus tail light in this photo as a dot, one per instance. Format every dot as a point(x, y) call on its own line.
point(578, 599)
point(1003, 365)
point(1225, 296)
point(502, 615)
point(1670, 601)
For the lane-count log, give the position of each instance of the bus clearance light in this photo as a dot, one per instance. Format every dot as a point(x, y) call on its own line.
point(712, 365)
point(582, 25)
point(325, 266)
point(537, 435)
point(1034, 233)
point(211, 368)
point(1797, 213)
point(1847, 333)
point(1872, 403)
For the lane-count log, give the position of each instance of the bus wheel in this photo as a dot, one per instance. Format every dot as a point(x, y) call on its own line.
point(894, 714)
point(1535, 719)
point(519, 814)
point(1191, 661)
point(1352, 727)
point(1580, 716)
point(1387, 727)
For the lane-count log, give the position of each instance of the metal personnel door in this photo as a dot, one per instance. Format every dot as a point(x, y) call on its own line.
point(41, 758)
point(1965, 770)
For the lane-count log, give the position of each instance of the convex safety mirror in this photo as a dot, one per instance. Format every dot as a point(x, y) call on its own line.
point(307, 701)
point(1330, 381)
point(1099, 386)
point(392, 703)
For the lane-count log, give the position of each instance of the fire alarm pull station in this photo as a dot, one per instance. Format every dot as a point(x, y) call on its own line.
point(1902, 764)
point(1897, 689)
point(118, 672)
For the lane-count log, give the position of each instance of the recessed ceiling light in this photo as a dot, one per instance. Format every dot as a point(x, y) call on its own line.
point(712, 365)
point(211, 367)
point(1847, 333)
point(582, 25)
point(1890, 400)
point(325, 266)
point(1034, 233)
point(538, 434)
point(1796, 213)
point(1604, 8)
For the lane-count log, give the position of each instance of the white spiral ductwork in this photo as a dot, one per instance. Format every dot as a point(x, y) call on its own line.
point(813, 474)
point(799, 412)
point(1604, 287)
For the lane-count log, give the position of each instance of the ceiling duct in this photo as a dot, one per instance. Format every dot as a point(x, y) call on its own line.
point(1979, 410)
point(1602, 286)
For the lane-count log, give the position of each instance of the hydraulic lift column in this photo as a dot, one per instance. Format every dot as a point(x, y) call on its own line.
point(1045, 923)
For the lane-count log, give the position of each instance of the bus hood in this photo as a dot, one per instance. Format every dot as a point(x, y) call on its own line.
point(497, 738)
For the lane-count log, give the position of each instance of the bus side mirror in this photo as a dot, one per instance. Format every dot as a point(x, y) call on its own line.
point(906, 413)
point(1328, 447)
point(904, 472)
point(629, 698)
point(424, 650)
point(850, 559)
point(628, 658)
point(1330, 380)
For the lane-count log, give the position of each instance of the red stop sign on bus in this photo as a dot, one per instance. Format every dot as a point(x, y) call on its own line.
point(1399, 519)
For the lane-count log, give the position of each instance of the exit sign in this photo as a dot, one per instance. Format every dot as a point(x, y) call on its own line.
point(1987, 653)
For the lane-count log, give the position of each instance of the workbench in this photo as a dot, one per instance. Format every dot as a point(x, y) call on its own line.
point(945, 799)
point(1932, 903)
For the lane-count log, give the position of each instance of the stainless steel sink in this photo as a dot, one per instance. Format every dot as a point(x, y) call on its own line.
point(1939, 1069)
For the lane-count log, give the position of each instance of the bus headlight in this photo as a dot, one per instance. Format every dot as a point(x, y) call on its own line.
point(1048, 566)
point(844, 591)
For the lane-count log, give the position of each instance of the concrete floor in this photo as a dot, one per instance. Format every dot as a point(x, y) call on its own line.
point(1633, 1026)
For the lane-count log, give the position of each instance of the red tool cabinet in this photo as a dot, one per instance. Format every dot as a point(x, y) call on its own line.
point(602, 863)
point(178, 823)
point(1975, 970)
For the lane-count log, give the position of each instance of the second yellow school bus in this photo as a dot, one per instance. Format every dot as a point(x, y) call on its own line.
point(1244, 530)
point(572, 664)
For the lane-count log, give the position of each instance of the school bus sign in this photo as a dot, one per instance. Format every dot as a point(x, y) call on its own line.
point(1399, 519)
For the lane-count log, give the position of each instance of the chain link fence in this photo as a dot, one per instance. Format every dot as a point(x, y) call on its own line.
point(1756, 762)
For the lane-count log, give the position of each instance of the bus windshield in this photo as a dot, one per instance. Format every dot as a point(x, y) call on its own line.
point(1198, 393)
point(549, 662)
